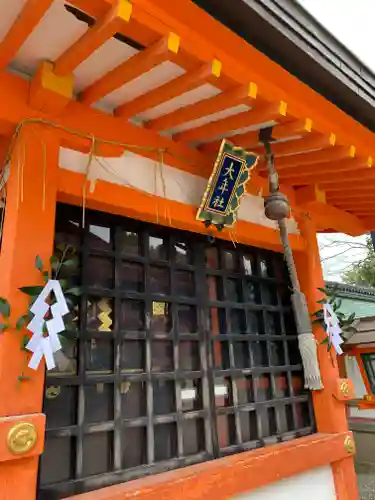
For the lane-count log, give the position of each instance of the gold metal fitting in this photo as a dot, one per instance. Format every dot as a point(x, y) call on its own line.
point(349, 445)
point(344, 388)
point(22, 437)
point(52, 392)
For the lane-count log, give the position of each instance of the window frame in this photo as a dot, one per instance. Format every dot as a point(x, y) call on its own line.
point(208, 373)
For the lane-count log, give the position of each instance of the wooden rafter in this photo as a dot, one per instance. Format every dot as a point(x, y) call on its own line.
point(348, 186)
point(184, 83)
point(327, 155)
point(102, 31)
point(348, 197)
point(240, 95)
point(312, 142)
point(309, 173)
point(29, 17)
point(339, 219)
point(273, 82)
point(312, 200)
point(330, 178)
point(250, 140)
point(363, 213)
point(353, 195)
point(358, 205)
point(164, 49)
point(261, 114)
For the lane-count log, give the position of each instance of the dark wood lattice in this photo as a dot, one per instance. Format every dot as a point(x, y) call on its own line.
point(183, 351)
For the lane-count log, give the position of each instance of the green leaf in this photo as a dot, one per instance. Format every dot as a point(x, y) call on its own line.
point(45, 276)
point(54, 261)
point(64, 284)
point(321, 301)
point(22, 321)
point(39, 263)
point(325, 341)
point(319, 312)
point(4, 308)
point(3, 326)
point(61, 247)
point(323, 290)
point(76, 291)
point(24, 341)
point(32, 291)
point(69, 262)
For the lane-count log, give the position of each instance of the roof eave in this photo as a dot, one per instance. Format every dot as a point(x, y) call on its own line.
point(288, 34)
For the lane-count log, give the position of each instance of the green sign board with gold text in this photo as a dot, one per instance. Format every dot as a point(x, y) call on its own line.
point(226, 186)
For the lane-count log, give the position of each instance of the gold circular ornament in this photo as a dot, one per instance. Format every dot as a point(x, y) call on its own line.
point(52, 392)
point(349, 445)
point(344, 388)
point(22, 438)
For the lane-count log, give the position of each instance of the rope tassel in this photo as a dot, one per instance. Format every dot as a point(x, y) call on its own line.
point(306, 342)
point(277, 209)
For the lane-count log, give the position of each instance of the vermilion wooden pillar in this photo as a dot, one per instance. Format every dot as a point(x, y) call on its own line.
point(330, 412)
point(28, 231)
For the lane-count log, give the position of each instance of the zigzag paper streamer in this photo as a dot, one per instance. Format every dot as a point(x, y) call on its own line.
point(104, 316)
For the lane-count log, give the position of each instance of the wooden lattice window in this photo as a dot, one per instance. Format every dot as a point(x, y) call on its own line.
point(184, 351)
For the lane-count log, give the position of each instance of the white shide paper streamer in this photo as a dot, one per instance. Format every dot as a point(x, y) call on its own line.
point(332, 328)
point(40, 345)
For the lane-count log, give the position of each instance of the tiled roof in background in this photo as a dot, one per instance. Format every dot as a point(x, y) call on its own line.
point(360, 300)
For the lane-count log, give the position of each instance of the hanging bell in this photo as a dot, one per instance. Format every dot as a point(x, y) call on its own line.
point(276, 206)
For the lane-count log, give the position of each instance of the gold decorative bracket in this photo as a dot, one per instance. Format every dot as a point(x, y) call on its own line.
point(344, 390)
point(21, 436)
point(349, 445)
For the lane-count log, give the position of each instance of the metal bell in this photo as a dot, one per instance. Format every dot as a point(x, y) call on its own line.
point(276, 206)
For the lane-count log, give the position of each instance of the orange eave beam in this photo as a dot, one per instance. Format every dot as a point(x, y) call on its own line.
point(264, 113)
point(343, 186)
point(103, 30)
point(27, 20)
point(243, 60)
point(240, 95)
point(14, 94)
point(331, 179)
point(189, 81)
point(326, 155)
point(355, 194)
point(309, 198)
point(310, 173)
point(164, 49)
point(351, 204)
point(250, 140)
point(312, 142)
point(131, 202)
point(212, 40)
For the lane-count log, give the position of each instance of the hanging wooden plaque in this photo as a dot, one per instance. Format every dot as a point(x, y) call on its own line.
point(226, 186)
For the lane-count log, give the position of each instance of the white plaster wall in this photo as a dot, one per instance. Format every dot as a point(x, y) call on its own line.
point(140, 173)
point(316, 484)
point(353, 372)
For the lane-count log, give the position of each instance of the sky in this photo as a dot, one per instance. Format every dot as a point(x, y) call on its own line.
point(352, 23)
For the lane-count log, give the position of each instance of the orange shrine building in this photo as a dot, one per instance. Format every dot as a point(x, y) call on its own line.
point(180, 375)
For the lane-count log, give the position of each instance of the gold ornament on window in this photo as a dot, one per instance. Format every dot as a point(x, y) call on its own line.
point(158, 308)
